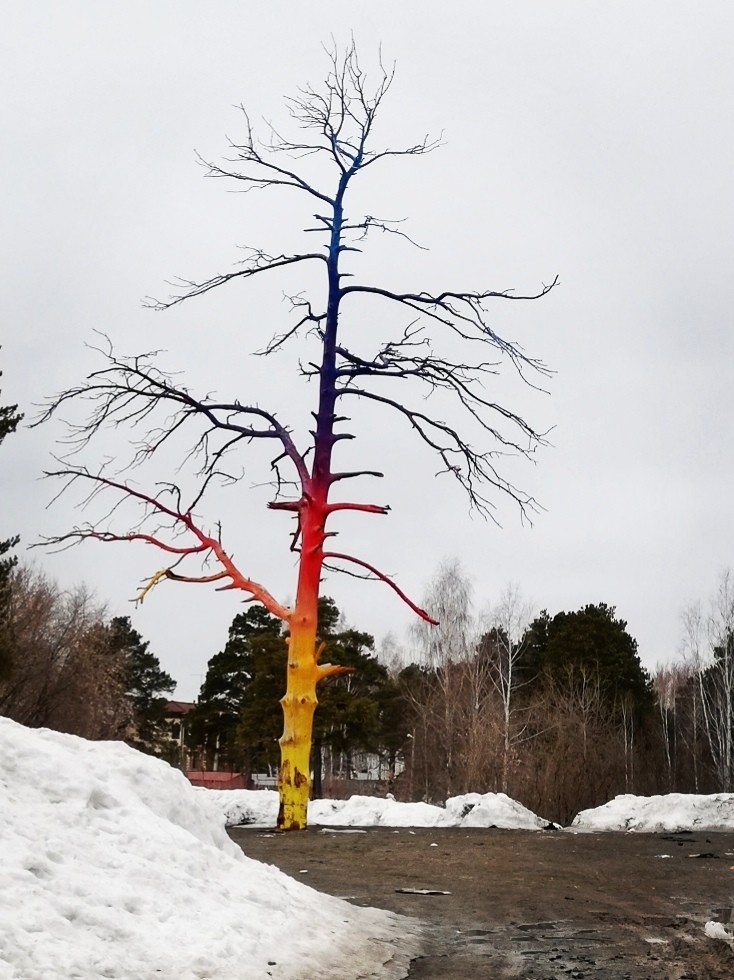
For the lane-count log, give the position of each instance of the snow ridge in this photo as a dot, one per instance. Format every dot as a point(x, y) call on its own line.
point(260, 807)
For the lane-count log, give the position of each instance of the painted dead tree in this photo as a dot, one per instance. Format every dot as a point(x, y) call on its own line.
point(334, 124)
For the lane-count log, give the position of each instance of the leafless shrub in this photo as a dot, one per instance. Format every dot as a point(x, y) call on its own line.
point(63, 675)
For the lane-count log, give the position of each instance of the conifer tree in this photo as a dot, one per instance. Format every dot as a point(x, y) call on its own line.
point(590, 642)
point(145, 684)
point(9, 419)
point(238, 718)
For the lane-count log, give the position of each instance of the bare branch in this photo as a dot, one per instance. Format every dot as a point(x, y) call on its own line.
point(460, 379)
point(463, 313)
point(384, 225)
point(180, 521)
point(333, 555)
point(257, 262)
point(335, 477)
point(132, 390)
point(471, 468)
point(278, 341)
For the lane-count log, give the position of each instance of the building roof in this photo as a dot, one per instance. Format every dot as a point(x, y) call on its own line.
point(179, 707)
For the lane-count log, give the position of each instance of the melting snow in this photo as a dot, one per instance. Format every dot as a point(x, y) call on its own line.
point(671, 813)
point(111, 865)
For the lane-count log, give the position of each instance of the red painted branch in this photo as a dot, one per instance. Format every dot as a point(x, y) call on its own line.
point(241, 581)
point(383, 578)
point(149, 538)
point(367, 508)
point(206, 543)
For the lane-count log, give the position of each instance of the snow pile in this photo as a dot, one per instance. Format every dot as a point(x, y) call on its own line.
point(243, 806)
point(494, 810)
point(260, 807)
point(113, 866)
point(671, 813)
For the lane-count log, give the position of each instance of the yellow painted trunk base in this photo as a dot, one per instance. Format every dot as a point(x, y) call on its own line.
point(299, 704)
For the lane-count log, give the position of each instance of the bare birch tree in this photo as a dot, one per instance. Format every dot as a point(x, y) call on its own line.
point(445, 650)
point(716, 682)
point(673, 683)
point(502, 649)
point(692, 622)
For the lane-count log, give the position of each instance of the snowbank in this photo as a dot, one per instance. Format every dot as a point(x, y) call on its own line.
point(113, 866)
point(671, 813)
point(646, 814)
point(260, 807)
point(494, 810)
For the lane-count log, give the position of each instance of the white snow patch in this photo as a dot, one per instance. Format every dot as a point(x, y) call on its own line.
point(670, 813)
point(717, 930)
point(112, 866)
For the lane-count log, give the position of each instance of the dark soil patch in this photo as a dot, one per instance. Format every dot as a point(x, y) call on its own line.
point(544, 905)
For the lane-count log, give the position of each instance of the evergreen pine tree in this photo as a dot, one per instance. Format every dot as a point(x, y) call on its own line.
point(145, 682)
point(9, 419)
point(244, 677)
point(591, 642)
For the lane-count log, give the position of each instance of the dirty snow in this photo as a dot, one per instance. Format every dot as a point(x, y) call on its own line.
point(671, 813)
point(112, 866)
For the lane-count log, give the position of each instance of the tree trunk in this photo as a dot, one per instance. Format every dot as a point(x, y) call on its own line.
point(299, 704)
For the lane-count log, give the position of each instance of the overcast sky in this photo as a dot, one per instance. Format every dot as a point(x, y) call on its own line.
point(592, 141)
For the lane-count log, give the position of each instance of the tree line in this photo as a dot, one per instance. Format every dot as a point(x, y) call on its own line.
point(557, 711)
point(550, 711)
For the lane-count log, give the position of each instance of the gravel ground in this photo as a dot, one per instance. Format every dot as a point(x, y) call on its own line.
point(546, 905)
